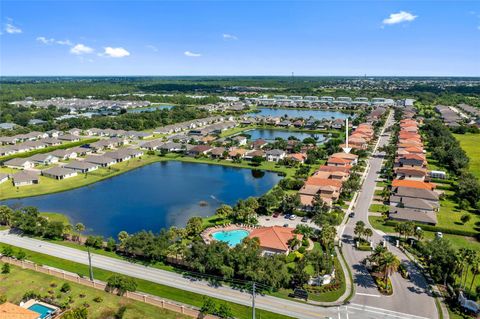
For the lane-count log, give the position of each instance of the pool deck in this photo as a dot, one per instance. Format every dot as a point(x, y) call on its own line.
point(32, 302)
point(207, 233)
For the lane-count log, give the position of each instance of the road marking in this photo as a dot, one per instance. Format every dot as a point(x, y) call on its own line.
point(369, 295)
point(384, 311)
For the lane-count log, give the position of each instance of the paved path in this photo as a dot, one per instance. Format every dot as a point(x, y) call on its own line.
point(273, 304)
point(410, 296)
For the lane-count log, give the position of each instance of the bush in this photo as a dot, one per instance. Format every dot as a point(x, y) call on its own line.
point(30, 295)
point(66, 287)
point(437, 229)
point(98, 299)
point(6, 269)
point(301, 250)
point(7, 251)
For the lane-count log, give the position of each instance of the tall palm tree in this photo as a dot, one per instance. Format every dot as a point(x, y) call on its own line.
point(470, 256)
point(475, 270)
point(389, 263)
point(368, 233)
point(80, 228)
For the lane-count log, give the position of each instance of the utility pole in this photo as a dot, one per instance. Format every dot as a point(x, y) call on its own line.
point(90, 264)
point(253, 300)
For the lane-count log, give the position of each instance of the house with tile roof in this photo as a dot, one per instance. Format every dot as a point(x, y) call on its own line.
point(275, 239)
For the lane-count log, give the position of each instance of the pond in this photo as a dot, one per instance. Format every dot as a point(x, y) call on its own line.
point(152, 197)
point(150, 109)
point(305, 113)
point(271, 135)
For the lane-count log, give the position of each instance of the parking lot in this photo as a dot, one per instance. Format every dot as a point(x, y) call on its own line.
point(267, 221)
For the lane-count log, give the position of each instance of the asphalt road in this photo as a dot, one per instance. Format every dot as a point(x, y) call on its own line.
point(277, 305)
point(409, 296)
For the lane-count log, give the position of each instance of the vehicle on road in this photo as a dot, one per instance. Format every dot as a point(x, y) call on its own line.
point(304, 220)
point(285, 225)
point(287, 216)
point(275, 215)
point(292, 217)
point(351, 215)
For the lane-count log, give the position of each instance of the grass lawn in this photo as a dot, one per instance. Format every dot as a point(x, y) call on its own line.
point(470, 144)
point(449, 215)
point(18, 281)
point(183, 296)
point(378, 208)
point(56, 217)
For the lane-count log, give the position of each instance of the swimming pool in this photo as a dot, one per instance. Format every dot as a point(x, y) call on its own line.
point(44, 311)
point(231, 237)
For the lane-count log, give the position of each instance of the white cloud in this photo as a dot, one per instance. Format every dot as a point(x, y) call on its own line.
point(45, 40)
point(115, 52)
point(80, 49)
point(399, 17)
point(10, 28)
point(152, 47)
point(192, 54)
point(227, 36)
point(64, 42)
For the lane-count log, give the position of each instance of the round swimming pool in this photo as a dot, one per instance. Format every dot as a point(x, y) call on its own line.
point(231, 237)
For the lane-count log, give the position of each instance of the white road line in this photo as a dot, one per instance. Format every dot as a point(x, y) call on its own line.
point(385, 311)
point(369, 295)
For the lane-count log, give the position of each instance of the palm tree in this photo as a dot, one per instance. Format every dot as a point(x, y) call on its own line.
point(80, 228)
point(368, 233)
point(388, 264)
point(470, 256)
point(359, 229)
point(327, 236)
point(475, 269)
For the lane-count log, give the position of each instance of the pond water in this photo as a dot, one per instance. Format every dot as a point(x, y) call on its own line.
point(271, 135)
point(305, 113)
point(152, 197)
point(150, 109)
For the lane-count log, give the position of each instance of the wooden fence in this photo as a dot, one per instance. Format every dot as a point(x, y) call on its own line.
point(100, 285)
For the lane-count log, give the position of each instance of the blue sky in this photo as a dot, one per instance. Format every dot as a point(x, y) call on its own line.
point(383, 37)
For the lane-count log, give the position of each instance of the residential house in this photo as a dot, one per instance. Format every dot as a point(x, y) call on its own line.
point(11, 311)
point(69, 138)
point(298, 157)
point(44, 159)
point(275, 239)
point(352, 158)
point(64, 154)
point(413, 184)
point(217, 152)
point(82, 166)
point(119, 155)
point(409, 214)
point(81, 151)
point(249, 155)
point(100, 160)
point(199, 150)
point(275, 155)
point(240, 140)
point(19, 163)
point(411, 173)
point(236, 152)
point(59, 172)
point(25, 178)
point(51, 141)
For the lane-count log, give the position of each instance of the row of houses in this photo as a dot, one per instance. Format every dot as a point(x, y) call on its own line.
point(191, 125)
point(360, 138)
point(413, 196)
point(450, 117)
point(327, 181)
point(12, 148)
point(315, 101)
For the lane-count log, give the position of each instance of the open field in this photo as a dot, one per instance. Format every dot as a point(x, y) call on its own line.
point(470, 144)
point(18, 281)
point(183, 296)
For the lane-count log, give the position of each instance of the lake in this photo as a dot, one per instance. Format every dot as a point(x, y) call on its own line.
point(152, 197)
point(150, 109)
point(305, 113)
point(271, 135)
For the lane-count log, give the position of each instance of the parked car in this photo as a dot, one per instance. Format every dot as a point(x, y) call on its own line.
point(351, 215)
point(275, 215)
point(287, 216)
point(285, 225)
point(439, 234)
point(304, 219)
point(292, 217)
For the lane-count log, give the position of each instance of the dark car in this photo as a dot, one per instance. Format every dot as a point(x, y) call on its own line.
point(304, 219)
point(287, 216)
point(351, 215)
point(276, 215)
point(285, 225)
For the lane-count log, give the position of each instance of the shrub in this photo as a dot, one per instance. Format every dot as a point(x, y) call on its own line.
point(301, 250)
point(6, 269)
point(20, 255)
point(98, 299)
point(66, 287)
point(121, 283)
point(7, 251)
point(121, 312)
point(3, 299)
point(30, 295)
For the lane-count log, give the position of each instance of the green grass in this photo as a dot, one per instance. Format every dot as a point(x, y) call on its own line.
point(378, 208)
point(470, 144)
point(18, 281)
point(449, 215)
point(183, 296)
point(56, 217)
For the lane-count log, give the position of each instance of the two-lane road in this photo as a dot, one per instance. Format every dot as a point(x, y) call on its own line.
point(410, 296)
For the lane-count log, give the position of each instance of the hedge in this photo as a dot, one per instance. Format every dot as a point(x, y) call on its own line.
point(437, 229)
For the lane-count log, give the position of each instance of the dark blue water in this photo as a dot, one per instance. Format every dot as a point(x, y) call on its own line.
point(150, 109)
point(270, 135)
point(153, 197)
point(305, 113)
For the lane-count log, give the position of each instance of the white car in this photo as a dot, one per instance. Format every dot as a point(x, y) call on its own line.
point(439, 234)
point(292, 217)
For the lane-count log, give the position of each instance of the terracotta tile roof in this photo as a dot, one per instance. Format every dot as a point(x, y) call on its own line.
point(414, 149)
point(10, 311)
point(325, 168)
point(346, 156)
point(419, 157)
point(298, 156)
point(336, 160)
point(412, 184)
point(274, 237)
point(323, 182)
